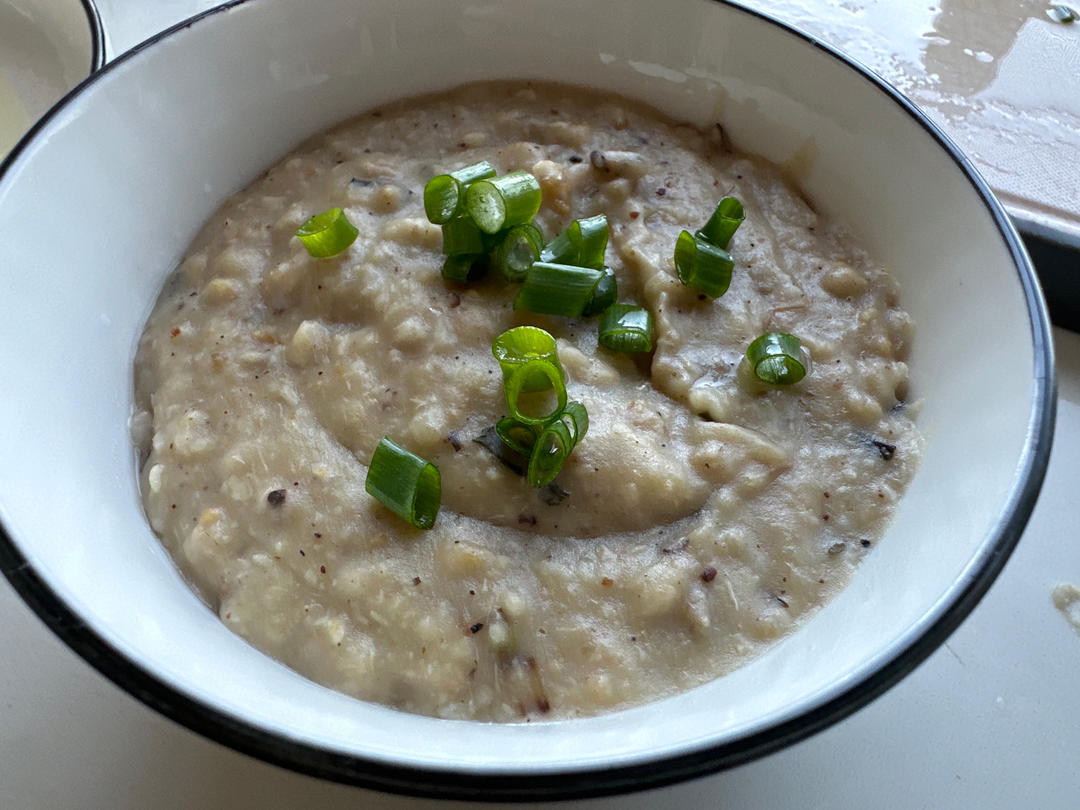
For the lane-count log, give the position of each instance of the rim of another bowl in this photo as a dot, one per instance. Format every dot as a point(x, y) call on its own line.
point(894, 662)
point(97, 37)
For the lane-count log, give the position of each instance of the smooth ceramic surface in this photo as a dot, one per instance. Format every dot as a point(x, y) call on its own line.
point(184, 122)
point(46, 48)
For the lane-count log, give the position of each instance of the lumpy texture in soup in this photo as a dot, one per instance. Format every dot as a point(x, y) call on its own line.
point(707, 513)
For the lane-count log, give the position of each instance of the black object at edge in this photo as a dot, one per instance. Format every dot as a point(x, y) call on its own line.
point(248, 739)
point(1058, 268)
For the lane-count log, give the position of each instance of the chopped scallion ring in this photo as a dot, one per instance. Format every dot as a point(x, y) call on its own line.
point(604, 293)
point(444, 194)
point(723, 223)
point(464, 267)
point(460, 236)
point(590, 237)
point(577, 420)
point(702, 265)
point(778, 358)
point(514, 385)
point(406, 484)
point(327, 234)
point(558, 289)
point(583, 244)
point(559, 250)
point(626, 328)
point(553, 446)
point(519, 345)
point(501, 202)
point(517, 251)
point(516, 435)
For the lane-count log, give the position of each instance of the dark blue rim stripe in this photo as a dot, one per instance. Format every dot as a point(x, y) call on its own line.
point(248, 739)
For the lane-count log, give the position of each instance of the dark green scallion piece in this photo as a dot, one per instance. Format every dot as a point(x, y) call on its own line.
point(408, 485)
point(553, 446)
point(702, 265)
point(626, 328)
point(444, 194)
point(501, 202)
point(778, 358)
point(517, 435)
point(583, 244)
point(558, 289)
point(604, 293)
point(461, 236)
point(464, 267)
point(723, 223)
point(515, 253)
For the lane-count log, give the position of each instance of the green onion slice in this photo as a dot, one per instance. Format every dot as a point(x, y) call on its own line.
point(518, 249)
point(559, 250)
point(723, 223)
point(327, 234)
point(517, 435)
point(577, 420)
point(517, 346)
point(553, 446)
point(405, 483)
point(583, 244)
point(626, 328)
point(778, 358)
point(460, 236)
point(527, 374)
point(444, 194)
point(558, 289)
point(702, 265)
point(501, 202)
point(464, 267)
point(590, 237)
point(604, 293)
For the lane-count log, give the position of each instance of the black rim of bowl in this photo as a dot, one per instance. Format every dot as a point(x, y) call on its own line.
point(97, 36)
point(448, 784)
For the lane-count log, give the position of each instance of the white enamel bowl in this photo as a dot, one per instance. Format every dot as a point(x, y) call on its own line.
point(97, 205)
point(46, 48)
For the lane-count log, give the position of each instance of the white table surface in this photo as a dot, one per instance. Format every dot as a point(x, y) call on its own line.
point(991, 720)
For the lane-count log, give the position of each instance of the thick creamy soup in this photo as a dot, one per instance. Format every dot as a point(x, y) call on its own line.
point(704, 515)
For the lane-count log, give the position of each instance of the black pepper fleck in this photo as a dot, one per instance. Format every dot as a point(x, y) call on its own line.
point(886, 450)
point(476, 628)
point(275, 497)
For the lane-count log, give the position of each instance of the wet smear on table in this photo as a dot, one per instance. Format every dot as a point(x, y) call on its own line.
point(1067, 600)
